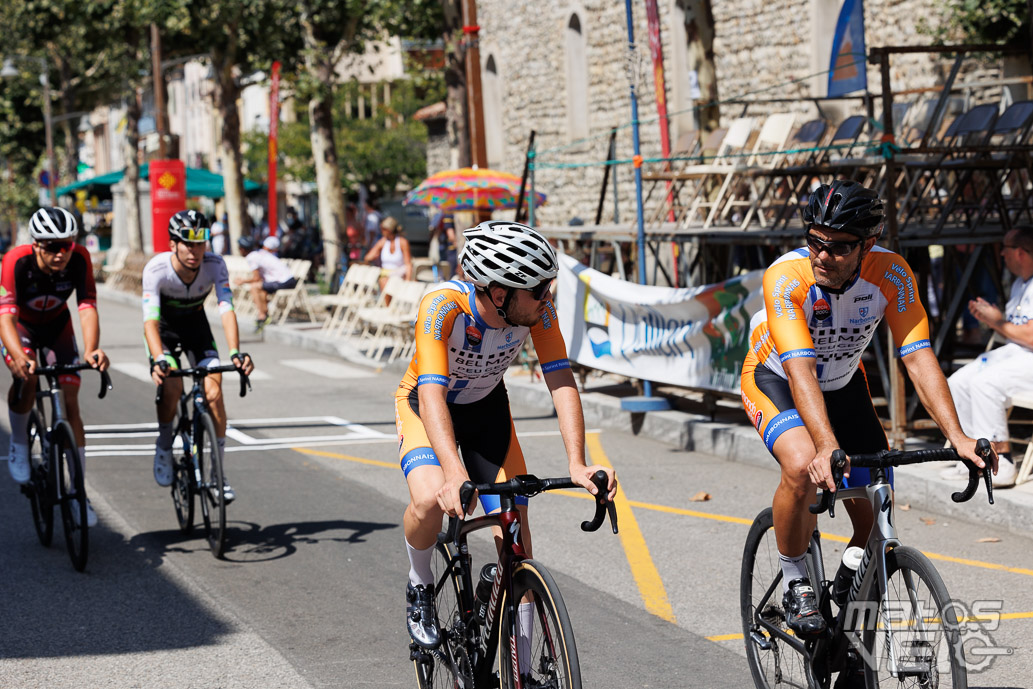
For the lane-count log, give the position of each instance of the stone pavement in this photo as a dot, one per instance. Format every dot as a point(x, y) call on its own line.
point(729, 437)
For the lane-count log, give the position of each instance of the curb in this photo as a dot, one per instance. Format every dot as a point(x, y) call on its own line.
point(921, 484)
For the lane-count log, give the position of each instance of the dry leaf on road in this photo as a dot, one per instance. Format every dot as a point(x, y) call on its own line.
point(906, 507)
point(701, 496)
point(928, 521)
point(989, 539)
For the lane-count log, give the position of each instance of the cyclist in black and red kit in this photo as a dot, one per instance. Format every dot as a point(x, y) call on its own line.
point(36, 281)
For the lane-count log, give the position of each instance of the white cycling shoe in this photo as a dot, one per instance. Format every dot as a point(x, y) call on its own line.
point(163, 466)
point(18, 462)
point(1005, 477)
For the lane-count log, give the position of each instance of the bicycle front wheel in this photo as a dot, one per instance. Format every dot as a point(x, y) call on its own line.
point(448, 666)
point(914, 639)
point(773, 662)
point(71, 494)
point(213, 503)
point(545, 653)
point(183, 486)
point(38, 489)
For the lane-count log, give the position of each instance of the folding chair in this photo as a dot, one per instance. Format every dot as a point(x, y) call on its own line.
point(378, 325)
point(740, 186)
point(707, 176)
point(358, 290)
point(114, 261)
point(284, 301)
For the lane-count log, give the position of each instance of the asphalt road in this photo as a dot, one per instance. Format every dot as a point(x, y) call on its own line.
point(310, 593)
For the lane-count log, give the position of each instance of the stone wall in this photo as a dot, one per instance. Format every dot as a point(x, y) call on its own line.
point(763, 49)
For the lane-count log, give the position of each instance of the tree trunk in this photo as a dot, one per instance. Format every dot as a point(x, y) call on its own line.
point(328, 181)
point(226, 92)
point(69, 127)
point(131, 179)
point(455, 81)
point(699, 28)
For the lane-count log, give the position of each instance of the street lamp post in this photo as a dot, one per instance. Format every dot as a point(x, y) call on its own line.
point(9, 71)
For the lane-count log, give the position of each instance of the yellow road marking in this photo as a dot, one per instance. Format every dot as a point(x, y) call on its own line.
point(335, 455)
point(650, 585)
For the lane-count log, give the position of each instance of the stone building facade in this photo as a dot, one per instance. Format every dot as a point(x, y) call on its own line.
point(559, 67)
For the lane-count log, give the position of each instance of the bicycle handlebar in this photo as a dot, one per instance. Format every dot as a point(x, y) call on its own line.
point(528, 486)
point(201, 372)
point(893, 458)
point(57, 369)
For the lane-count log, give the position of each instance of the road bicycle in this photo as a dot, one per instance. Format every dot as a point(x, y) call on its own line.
point(476, 628)
point(895, 627)
point(55, 470)
point(197, 467)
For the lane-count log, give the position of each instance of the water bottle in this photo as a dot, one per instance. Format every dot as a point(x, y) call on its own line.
point(845, 576)
point(483, 591)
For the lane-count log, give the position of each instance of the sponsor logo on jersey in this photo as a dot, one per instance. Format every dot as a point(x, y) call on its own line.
point(822, 310)
point(473, 336)
point(863, 312)
point(863, 297)
point(758, 419)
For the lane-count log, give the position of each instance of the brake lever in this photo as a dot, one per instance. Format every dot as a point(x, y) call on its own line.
point(828, 498)
point(603, 505)
point(466, 492)
point(983, 449)
point(105, 384)
point(245, 383)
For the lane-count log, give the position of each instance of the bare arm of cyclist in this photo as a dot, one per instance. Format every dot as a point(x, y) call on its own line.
point(20, 364)
point(924, 371)
point(229, 326)
point(802, 373)
point(438, 423)
point(93, 354)
point(987, 313)
point(571, 417)
point(152, 335)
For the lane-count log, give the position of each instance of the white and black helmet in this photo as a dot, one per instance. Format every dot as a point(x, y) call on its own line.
point(507, 253)
point(52, 223)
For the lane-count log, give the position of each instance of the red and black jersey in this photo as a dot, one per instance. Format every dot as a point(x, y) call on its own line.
point(35, 296)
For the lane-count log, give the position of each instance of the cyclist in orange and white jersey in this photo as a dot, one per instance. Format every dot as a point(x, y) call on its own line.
point(453, 398)
point(803, 385)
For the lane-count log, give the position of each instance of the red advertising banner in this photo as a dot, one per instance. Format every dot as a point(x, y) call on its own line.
point(168, 196)
point(274, 121)
point(656, 49)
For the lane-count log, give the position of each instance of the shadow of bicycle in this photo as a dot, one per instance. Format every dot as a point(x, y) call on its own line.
point(251, 542)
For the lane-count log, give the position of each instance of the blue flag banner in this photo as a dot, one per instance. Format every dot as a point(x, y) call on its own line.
point(847, 66)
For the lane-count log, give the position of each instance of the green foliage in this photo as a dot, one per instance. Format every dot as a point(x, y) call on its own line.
point(984, 21)
point(294, 159)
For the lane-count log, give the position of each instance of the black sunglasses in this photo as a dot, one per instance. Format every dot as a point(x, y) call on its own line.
point(540, 290)
point(56, 247)
point(831, 248)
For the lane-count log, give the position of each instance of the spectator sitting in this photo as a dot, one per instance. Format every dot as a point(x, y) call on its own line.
point(980, 389)
point(392, 249)
point(270, 274)
point(219, 236)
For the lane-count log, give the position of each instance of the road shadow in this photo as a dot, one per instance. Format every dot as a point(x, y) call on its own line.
point(250, 542)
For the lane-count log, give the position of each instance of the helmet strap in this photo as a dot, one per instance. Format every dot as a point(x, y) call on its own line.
point(502, 311)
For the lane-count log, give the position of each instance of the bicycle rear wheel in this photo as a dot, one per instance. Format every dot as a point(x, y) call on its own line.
point(773, 663)
point(213, 503)
point(546, 654)
point(38, 488)
point(915, 639)
point(448, 666)
point(71, 494)
point(183, 486)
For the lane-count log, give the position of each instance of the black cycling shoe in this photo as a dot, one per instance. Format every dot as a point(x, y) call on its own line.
point(420, 616)
point(801, 607)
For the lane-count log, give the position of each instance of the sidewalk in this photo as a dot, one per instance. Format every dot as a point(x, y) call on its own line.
point(728, 437)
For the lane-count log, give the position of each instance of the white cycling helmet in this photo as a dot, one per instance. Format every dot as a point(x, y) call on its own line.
point(507, 253)
point(52, 223)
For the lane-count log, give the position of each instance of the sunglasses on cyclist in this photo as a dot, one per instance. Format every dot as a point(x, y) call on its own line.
point(831, 248)
point(195, 234)
point(56, 247)
point(540, 290)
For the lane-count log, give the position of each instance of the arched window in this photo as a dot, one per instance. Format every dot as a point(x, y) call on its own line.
point(577, 80)
point(494, 123)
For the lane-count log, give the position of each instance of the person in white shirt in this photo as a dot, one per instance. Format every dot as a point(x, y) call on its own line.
point(219, 236)
point(980, 389)
point(270, 273)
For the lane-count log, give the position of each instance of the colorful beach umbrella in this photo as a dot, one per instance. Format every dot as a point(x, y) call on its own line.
point(469, 188)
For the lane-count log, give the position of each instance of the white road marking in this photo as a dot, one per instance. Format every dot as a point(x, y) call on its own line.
point(325, 368)
point(134, 369)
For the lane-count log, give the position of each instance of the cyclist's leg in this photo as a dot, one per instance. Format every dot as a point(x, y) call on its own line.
point(20, 398)
point(63, 350)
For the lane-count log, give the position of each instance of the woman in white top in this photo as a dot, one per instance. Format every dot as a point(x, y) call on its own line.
point(393, 251)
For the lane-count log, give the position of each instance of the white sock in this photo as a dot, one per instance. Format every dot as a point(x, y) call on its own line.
point(1002, 456)
point(792, 568)
point(525, 626)
point(164, 435)
point(19, 427)
point(420, 573)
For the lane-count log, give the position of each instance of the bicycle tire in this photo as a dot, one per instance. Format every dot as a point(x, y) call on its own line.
point(926, 639)
point(780, 665)
point(38, 489)
point(213, 503)
point(553, 660)
point(183, 486)
point(71, 494)
point(447, 666)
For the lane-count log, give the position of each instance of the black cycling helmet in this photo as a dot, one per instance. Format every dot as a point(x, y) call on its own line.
point(847, 207)
point(189, 226)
